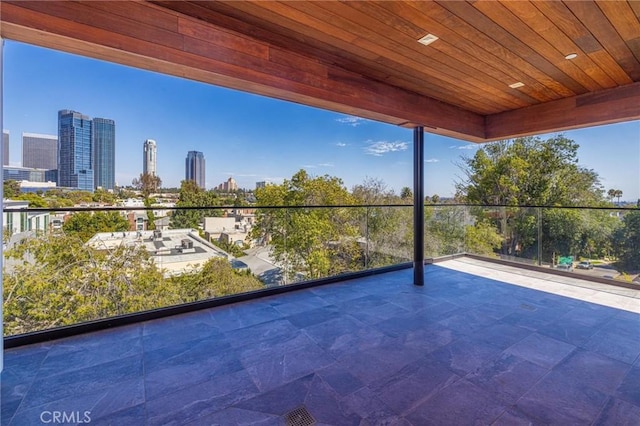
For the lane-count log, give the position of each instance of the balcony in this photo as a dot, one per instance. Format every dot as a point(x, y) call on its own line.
point(479, 343)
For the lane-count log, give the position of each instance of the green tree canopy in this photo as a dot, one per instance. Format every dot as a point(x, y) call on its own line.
point(58, 280)
point(531, 171)
point(147, 183)
point(627, 240)
point(191, 195)
point(86, 224)
point(315, 242)
point(11, 188)
point(103, 196)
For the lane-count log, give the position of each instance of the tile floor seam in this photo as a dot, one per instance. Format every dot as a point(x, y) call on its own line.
point(29, 388)
point(601, 411)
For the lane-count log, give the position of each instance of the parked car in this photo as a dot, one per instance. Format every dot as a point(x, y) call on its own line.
point(584, 265)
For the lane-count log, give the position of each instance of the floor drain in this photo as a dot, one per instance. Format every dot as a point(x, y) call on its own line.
point(527, 307)
point(299, 417)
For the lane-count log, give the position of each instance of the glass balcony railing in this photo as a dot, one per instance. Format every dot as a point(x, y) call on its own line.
point(69, 266)
point(601, 243)
point(64, 267)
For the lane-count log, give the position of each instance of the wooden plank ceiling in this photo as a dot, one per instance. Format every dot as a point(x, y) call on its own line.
point(363, 57)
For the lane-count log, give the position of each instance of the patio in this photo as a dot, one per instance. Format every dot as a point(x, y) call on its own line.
point(478, 344)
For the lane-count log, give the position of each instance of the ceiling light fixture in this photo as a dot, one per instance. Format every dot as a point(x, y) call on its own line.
point(571, 56)
point(516, 85)
point(428, 39)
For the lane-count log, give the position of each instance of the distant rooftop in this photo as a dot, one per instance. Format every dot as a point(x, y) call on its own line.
point(176, 251)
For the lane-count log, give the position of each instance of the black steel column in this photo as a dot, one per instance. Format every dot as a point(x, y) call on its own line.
point(418, 205)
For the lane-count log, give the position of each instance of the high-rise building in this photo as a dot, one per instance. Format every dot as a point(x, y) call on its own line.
point(194, 168)
point(39, 151)
point(5, 148)
point(104, 153)
point(229, 186)
point(149, 159)
point(75, 156)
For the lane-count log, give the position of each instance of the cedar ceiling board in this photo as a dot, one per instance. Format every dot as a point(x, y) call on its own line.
point(453, 72)
point(84, 13)
point(602, 107)
point(518, 27)
point(473, 60)
point(565, 19)
point(484, 24)
point(635, 6)
point(404, 106)
point(374, 68)
point(250, 8)
point(269, 14)
point(152, 16)
point(625, 21)
point(548, 30)
point(227, 40)
point(593, 18)
point(371, 69)
point(486, 44)
point(478, 104)
point(450, 39)
point(468, 100)
point(345, 15)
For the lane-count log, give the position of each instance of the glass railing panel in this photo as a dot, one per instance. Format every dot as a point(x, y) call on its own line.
point(484, 234)
point(321, 242)
point(68, 267)
point(389, 235)
point(596, 242)
point(444, 230)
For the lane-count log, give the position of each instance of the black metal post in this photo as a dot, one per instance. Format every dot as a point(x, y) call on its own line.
point(418, 206)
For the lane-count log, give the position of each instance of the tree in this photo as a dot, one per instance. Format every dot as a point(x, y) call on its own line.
point(147, 183)
point(191, 195)
point(406, 193)
point(388, 231)
point(315, 242)
point(34, 200)
point(11, 188)
point(103, 196)
point(85, 225)
point(627, 239)
point(528, 172)
point(59, 280)
point(618, 194)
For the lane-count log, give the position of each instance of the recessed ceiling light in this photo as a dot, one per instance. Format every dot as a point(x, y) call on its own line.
point(516, 85)
point(428, 39)
point(571, 56)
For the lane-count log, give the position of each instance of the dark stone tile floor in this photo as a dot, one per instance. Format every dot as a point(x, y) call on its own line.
point(462, 350)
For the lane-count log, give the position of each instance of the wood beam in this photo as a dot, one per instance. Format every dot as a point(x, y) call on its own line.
point(180, 45)
point(591, 109)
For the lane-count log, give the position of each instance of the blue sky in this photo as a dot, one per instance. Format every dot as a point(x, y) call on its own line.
point(249, 137)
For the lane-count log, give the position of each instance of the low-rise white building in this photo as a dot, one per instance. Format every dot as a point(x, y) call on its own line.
point(175, 251)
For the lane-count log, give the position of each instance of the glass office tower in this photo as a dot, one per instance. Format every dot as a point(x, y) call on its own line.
point(104, 153)
point(39, 151)
point(75, 156)
point(194, 168)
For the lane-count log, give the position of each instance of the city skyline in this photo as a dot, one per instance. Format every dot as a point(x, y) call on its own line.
point(254, 138)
